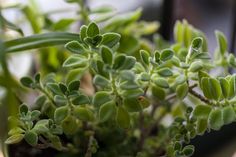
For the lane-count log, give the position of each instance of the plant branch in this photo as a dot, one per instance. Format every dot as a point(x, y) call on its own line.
point(174, 95)
point(47, 95)
point(199, 96)
point(90, 147)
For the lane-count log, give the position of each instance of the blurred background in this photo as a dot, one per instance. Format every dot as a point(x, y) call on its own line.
point(206, 15)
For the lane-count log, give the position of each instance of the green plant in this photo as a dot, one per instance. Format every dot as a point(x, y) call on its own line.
point(125, 115)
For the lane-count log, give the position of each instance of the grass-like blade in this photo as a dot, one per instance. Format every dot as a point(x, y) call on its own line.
point(39, 41)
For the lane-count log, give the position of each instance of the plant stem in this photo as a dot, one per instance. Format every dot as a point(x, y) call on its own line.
point(84, 12)
point(142, 130)
point(199, 96)
point(118, 98)
point(47, 95)
point(90, 145)
point(174, 95)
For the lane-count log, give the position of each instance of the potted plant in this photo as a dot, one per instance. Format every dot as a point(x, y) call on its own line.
point(145, 99)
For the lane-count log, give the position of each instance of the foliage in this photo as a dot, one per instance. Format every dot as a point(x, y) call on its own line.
point(135, 88)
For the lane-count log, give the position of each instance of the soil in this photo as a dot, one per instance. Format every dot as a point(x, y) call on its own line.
point(25, 150)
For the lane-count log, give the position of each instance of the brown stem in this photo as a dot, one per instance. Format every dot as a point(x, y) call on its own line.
point(142, 130)
point(90, 145)
point(199, 96)
point(174, 95)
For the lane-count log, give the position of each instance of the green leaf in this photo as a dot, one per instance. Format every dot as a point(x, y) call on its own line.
point(75, 61)
point(63, 88)
point(184, 65)
point(93, 41)
point(166, 54)
point(165, 72)
point(23, 109)
point(175, 61)
point(101, 81)
point(10, 25)
point(197, 43)
point(231, 60)
point(56, 143)
point(221, 41)
point(102, 69)
point(74, 85)
point(161, 82)
point(206, 87)
point(215, 120)
point(69, 125)
point(83, 113)
point(100, 98)
point(228, 115)
point(132, 93)
point(123, 118)
point(201, 126)
point(144, 101)
point(62, 24)
point(144, 76)
point(187, 33)
point(35, 114)
point(110, 39)
point(81, 100)
point(177, 146)
point(39, 41)
point(119, 61)
point(144, 55)
point(106, 54)
point(54, 88)
point(232, 86)
point(106, 111)
point(188, 150)
point(37, 77)
point(72, 1)
point(128, 63)
point(40, 100)
point(215, 88)
point(202, 111)
point(128, 85)
point(180, 79)
point(127, 75)
point(27, 81)
point(129, 44)
point(102, 9)
point(157, 56)
point(224, 87)
point(60, 100)
point(178, 32)
point(158, 92)
point(60, 114)
point(16, 130)
point(82, 33)
point(92, 30)
point(122, 20)
point(14, 139)
point(75, 47)
point(202, 74)
point(132, 105)
point(182, 91)
point(40, 128)
point(31, 138)
point(48, 109)
point(196, 66)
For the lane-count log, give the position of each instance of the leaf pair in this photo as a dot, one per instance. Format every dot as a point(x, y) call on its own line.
point(213, 118)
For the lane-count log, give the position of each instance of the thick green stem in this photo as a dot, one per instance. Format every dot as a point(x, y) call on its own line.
point(47, 95)
point(84, 12)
